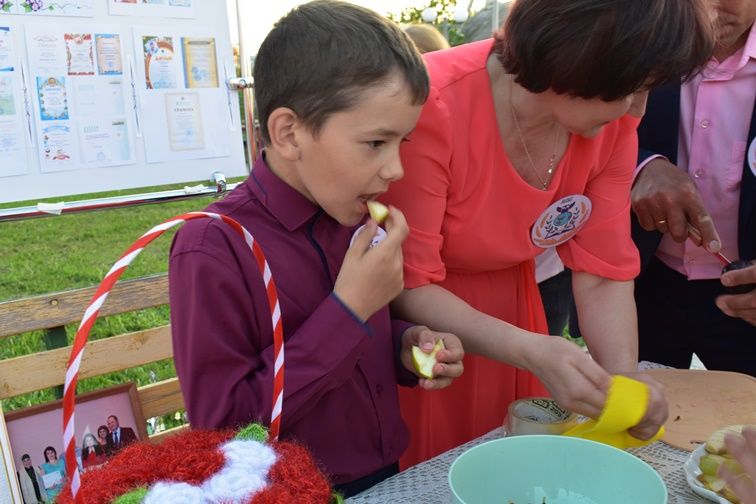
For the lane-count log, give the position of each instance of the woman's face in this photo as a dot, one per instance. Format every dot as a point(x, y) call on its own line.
point(586, 117)
point(102, 432)
point(89, 441)
point(51, 455)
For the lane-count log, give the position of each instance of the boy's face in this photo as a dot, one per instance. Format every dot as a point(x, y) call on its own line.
point(355, 156)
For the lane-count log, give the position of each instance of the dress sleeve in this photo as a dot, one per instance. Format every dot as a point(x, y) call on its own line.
point(223, 343)
point(422, 193)
point(604, 246)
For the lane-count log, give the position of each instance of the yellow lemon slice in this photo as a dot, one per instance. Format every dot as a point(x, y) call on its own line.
point(378, 211)
point(424, 362)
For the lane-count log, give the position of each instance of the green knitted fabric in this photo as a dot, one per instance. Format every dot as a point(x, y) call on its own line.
point(133, 497)
point(253, 432)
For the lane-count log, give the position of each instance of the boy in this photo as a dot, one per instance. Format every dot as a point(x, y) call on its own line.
point(338, 88)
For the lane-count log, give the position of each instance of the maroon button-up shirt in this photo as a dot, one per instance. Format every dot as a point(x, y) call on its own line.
point(340, 397)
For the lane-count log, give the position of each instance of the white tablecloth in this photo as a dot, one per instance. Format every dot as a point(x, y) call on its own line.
point(427, 483)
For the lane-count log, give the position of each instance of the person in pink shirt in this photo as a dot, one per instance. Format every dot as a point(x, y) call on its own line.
point(527, 142)
point(694, 194)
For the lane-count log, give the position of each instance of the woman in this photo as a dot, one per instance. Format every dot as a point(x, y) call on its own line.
point(528, 142)
point(102, 439)
point(53, 465)
point(92, 454)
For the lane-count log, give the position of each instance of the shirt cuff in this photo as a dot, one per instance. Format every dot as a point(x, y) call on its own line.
point(645, 162)
point(352, 314)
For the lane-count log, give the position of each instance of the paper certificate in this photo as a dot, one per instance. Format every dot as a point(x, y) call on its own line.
point(6, 49)
point(46, 53)
point(53, 100)
point(109, 61)
point(79, 57)
point(200, 64)
point(180, 3)
point(52, 479)
point(56, 144)
point(7, 101)
point(184, 122)
point(104, 143)
point(159, 64)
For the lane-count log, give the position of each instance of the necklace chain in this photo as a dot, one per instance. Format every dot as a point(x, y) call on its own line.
point(552, 159)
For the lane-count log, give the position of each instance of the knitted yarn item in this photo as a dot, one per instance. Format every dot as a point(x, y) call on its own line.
point(206, 466)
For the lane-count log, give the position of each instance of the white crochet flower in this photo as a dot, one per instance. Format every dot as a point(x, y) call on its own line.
point(244, 474)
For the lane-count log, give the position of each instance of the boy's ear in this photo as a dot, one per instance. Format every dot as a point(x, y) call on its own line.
point(283, 126)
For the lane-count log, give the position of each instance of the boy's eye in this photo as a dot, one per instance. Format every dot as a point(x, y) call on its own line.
point(374, 144)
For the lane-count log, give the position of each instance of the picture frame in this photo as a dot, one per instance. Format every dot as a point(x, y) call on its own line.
point(107, 420)
point(9, 489)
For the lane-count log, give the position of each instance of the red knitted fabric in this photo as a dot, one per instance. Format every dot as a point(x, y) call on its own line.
point(193, 457)
point(294, 478)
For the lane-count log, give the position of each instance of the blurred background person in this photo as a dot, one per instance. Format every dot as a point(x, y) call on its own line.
point(92, 454)
point(426, 37)
point(30, 480)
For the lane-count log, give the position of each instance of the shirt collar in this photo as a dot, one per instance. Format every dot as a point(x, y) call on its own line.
point(287, 205)
point(750, 47)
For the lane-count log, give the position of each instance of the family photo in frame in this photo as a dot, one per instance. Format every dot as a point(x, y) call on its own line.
point(107, 421)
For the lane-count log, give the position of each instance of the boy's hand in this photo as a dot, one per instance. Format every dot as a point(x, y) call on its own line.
point(449, 360)
point(371, 277)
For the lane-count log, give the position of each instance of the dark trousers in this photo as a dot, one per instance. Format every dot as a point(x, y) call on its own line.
point(556, 294)
point(362, 484)
point(677, 317)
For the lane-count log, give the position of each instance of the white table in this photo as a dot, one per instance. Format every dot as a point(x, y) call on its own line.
point(427, 483)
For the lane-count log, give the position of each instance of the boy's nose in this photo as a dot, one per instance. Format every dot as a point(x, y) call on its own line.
point(393, 170)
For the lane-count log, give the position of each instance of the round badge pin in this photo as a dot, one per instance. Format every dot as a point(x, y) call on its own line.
point(561, 221)
point(380, 235)
point(752, 156)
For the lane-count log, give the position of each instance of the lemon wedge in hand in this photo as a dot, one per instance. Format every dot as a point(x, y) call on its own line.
point(378, 211)
point(424, 362)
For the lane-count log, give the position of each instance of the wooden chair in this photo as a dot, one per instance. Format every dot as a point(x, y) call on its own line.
point(28, 373)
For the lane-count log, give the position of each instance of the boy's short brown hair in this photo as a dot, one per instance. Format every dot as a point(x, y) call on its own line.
point(321, 55)
point(603, 48)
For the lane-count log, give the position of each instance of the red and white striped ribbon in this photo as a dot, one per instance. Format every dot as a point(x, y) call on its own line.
point(90, 315)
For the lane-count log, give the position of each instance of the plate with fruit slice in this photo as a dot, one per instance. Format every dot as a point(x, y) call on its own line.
point(703, 464)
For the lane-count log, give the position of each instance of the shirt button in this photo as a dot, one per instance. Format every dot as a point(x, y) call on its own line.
point(705, 123)
point(698, 174)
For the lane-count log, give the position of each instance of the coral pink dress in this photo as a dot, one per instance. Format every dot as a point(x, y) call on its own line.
point(470, 217)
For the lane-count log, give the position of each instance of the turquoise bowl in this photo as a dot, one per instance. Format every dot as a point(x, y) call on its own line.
point(552, 470)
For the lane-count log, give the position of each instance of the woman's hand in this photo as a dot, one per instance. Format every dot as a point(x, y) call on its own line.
point(744, 450)
point(448, 361)
point(574, 380)
point(657, 411)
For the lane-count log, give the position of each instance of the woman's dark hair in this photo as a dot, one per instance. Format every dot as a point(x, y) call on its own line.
point(103, 427)
point(323, 54)
point(47, 450)
point(603, 48)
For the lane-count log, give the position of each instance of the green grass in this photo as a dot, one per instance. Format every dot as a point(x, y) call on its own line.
point(52, 254)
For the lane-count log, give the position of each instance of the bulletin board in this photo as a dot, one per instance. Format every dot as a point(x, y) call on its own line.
point(99, 95)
